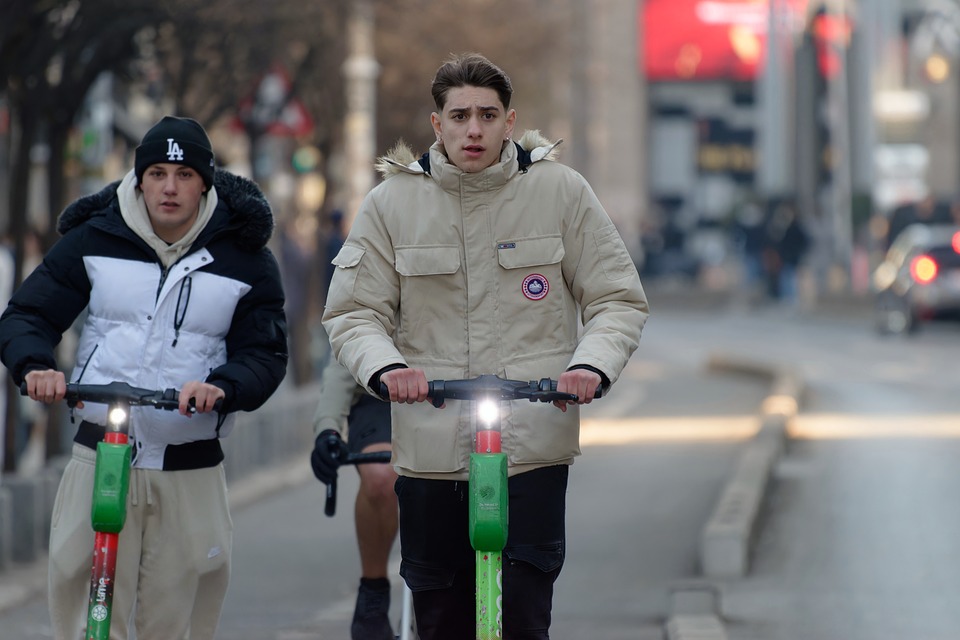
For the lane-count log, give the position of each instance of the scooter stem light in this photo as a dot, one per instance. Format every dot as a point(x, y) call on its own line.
point(117, 416)
point(488, 412)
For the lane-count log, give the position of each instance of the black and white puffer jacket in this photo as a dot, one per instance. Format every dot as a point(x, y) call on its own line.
point(215, 315)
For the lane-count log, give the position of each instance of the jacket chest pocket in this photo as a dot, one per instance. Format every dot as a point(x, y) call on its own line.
point(431, 286)
point(530, 271)
point(532, 290)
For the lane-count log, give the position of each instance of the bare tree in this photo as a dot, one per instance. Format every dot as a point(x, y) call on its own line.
point(51, 54)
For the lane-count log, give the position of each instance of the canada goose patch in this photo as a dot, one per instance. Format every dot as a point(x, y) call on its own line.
point(535, 286)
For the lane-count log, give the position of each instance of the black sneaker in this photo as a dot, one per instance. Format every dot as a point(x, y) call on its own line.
point(371, 619)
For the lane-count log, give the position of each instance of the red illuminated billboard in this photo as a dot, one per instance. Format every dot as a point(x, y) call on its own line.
point(710, 39)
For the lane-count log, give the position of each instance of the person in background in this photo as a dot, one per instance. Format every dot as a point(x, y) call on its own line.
point(483, 256)
point(181, 291)
point(788, 242)
point(345, 409)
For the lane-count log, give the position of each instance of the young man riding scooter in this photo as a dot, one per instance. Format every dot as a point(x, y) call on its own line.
point(181, 292)
point(482, 256)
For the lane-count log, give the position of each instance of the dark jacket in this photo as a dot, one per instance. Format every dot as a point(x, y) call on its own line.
point(215, 315)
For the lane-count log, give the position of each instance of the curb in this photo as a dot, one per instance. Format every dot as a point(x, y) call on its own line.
point(727, 539)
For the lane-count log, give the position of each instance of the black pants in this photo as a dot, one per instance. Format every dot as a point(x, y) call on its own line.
point(438, 563)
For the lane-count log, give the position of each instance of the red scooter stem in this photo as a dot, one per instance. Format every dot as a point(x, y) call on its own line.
point(100, 608)
point(488, 441)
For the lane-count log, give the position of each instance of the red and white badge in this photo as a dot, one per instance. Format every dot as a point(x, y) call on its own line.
point(535, 286)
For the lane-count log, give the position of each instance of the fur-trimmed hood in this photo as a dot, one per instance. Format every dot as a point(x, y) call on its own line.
point(242, 208)
point(401, 159)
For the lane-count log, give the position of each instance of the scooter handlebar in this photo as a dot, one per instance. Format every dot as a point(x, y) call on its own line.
point(491, 386)
point(166, 399)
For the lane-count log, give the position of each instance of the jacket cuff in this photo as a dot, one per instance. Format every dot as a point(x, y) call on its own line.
point(604, 380)
point(228, 397)
point(323, 424)
point(375, 378)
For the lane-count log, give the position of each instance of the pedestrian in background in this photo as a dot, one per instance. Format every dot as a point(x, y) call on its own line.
point(787, 243)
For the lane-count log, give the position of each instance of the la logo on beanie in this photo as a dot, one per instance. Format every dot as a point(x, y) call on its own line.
point(174, 152)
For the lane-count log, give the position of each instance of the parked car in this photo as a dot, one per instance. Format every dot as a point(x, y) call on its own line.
point(919, 279)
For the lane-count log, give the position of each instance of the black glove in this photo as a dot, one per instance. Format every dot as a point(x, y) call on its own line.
point(325, 459)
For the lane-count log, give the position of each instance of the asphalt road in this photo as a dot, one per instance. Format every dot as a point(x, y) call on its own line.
point(858, 536)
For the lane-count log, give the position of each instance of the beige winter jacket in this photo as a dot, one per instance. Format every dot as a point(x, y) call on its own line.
point(515, 273)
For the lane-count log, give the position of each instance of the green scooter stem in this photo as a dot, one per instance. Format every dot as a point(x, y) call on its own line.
point(488, 531)
point(488, 501)
point(110, 486)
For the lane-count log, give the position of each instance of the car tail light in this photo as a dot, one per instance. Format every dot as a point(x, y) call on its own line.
point(955, 242)
point(923, 269)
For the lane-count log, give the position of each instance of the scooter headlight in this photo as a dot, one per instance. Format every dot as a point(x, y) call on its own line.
point(117, 416)
point(488, 412)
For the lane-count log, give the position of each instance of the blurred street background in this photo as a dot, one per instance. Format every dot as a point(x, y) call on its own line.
point(759, 157)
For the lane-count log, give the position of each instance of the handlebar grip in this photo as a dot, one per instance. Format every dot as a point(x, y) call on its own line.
point(192, 405)
point(596, 394)
point(330, 506)
point(436, 401)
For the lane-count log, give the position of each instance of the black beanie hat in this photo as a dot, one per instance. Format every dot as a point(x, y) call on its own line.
point(177, 141)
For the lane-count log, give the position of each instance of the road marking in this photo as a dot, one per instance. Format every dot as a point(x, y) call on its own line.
point(824, 426)
point(613, 431)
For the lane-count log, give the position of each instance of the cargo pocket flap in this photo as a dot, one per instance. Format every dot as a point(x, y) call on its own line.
point(530, 252)
point(424, 578)
point(546, 557)
point(348, 256)
point(427, 261)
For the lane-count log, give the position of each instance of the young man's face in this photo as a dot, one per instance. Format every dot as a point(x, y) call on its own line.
point(473, 127)
point(172, 193)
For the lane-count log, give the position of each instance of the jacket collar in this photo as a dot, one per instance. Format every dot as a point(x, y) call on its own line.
point(452, 179)
point(242, 209)
point(531, 148)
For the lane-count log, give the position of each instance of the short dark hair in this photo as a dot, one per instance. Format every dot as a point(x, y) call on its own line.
point(470, 70)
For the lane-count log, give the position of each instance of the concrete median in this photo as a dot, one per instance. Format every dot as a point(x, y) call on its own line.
point(727, 539)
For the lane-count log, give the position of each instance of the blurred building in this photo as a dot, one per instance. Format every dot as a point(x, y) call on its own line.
point(849, 107)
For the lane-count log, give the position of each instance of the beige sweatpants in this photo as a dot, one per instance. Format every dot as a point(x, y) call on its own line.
point(173, 558)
